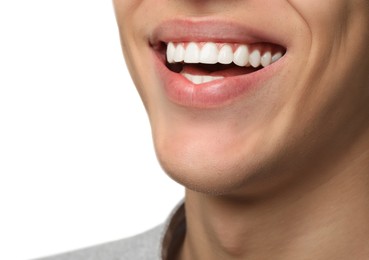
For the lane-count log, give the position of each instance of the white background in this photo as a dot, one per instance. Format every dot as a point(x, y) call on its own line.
point(77, 166)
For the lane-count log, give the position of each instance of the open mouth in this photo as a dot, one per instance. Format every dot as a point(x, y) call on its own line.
point(203, 62)
point(208, 63)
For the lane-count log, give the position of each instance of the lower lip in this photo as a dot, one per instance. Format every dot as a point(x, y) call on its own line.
point(216, 93)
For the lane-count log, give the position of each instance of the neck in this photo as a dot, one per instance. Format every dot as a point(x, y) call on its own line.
point(326, 220)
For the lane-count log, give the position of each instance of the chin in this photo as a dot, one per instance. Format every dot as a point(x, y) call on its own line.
point(208, 175)
point(210, 163)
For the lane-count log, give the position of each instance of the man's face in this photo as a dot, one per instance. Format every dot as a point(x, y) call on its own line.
point(250, 124)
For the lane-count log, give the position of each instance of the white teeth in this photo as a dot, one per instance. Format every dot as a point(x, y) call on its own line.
point(179, 53)
point(192, 53)
point(225, 55)
point(199, 79)
point(241, 56)
point(209, 78)
point(255, 58)
point(266, 59)
point(276, 57)
point(170, 52)
point(209, 53)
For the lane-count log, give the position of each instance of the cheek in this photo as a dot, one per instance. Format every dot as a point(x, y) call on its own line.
point(134, 46)
point(322, 15)
point(325, 24)
point(126, 6)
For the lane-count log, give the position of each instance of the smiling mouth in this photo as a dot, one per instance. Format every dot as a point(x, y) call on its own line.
point(203, 62)
point(210, 63)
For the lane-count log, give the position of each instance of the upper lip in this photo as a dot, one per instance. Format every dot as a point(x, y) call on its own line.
point(211, 30)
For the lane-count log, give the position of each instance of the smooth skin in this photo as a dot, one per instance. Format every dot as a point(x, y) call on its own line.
point(284, 173)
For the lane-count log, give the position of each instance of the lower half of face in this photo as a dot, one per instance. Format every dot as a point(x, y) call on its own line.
point(243, 98)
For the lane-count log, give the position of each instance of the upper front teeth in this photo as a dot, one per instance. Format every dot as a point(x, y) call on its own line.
point(225, 55)
point(209, 53)
point(241, 56)
point(212, 53)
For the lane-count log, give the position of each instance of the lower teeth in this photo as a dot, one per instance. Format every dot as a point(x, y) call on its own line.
point(199, 79)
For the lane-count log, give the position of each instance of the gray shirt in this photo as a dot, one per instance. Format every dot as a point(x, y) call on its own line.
point(158, 243)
